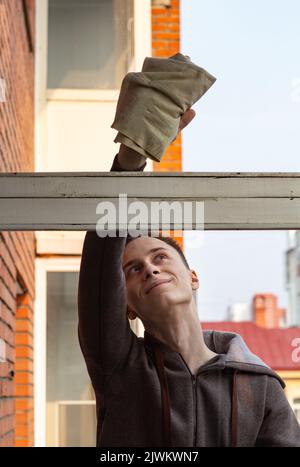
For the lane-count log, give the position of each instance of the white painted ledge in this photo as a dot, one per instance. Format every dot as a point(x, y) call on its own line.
point(67, 201)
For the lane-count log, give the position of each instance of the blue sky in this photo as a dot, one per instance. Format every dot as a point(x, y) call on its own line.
point(249, 120)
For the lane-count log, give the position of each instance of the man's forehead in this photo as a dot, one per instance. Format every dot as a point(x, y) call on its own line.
point(142, 245)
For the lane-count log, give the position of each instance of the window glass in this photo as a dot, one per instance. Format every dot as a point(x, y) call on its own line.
point(90, 43)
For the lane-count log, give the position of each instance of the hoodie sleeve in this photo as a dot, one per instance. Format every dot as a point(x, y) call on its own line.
point(280, 427)
point(103, 329)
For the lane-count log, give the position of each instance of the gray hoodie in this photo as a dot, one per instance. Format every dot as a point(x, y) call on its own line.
point(145, 393)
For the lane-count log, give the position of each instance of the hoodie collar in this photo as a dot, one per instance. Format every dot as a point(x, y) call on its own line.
point(232, 349)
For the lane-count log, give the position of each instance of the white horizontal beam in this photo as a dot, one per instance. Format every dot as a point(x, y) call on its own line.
point(67, 201)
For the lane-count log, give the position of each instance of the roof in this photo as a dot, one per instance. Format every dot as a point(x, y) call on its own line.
point(277, 347)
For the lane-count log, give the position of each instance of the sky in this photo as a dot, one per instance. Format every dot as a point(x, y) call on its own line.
point(248, 121)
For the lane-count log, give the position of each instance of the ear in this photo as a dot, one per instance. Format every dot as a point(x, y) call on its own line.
point(195, 280)
point(130, 313)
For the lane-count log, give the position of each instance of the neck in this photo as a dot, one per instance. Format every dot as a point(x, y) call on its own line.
point(181, 331)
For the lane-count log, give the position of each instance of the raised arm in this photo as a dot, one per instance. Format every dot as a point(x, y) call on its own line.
point(104, 332)
point(103, 329)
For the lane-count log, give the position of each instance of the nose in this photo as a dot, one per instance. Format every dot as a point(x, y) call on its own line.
point(150, 270)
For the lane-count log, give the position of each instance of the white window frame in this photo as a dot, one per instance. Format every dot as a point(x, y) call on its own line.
point(68, 201)
point(42, 266)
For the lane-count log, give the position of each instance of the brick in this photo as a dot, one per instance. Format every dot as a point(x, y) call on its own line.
point(6, 315)
point(170, 167)
point(24, 351)
point(25, 418)
point(160, 20)
point(24, 339)
point(158, 11)
point(21, 430)
point(6, 333)
point(4, 369)
point(10, 354)
point(23, 443)
point(7, 406)
point(7, 297)
point(24, 404)
point(7, 388)
point(7, 260)
point(24, 312)
point(171, 157)
point(25, 300)
point(166, 35)
point(24, 390)
point(7, 278)
point(174, 11)
point(24, 325)
point(7, 440)
point(164, 27)
point(7, 423)
point(24, 365)
point(24, 377)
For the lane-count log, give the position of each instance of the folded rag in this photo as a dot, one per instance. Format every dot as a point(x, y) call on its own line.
point(152, 101)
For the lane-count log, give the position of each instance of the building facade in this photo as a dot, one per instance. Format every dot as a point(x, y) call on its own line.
point(62, 63)
point(17, 249)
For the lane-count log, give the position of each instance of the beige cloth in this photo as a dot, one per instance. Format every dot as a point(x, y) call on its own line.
point(152, 101)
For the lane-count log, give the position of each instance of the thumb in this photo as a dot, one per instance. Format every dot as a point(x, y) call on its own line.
point(186, 118)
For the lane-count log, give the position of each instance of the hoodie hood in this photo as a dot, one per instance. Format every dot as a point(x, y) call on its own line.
point(234, 353)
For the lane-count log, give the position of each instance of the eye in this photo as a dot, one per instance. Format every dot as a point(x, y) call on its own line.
point(161, 255)
point(132, 267)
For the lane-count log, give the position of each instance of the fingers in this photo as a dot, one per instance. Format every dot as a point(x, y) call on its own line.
point(186, 118)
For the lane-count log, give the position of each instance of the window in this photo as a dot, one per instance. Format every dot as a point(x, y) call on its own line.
point(70, 413)
point(296, 408)
point(90, 43)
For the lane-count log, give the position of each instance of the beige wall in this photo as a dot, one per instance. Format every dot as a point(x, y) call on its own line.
point(292, 381)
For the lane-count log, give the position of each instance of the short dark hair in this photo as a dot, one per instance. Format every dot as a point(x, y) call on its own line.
point(170, 241)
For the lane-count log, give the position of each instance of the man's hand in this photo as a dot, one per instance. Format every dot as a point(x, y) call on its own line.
point(186, 118)
point(132, 160)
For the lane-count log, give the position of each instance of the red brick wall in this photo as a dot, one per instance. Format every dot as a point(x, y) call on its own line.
point(166, 42)
point(17, 249)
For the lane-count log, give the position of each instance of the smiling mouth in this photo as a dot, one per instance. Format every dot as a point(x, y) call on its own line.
point(157, 285)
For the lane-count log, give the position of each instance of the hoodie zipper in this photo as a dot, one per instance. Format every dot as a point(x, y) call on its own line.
point(195, 407)
point(194, 381)
point(194, 385)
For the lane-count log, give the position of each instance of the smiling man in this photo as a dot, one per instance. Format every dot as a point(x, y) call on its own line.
point(160, 289)
point(178, 385)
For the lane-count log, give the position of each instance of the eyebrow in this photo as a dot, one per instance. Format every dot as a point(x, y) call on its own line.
point(150, 251)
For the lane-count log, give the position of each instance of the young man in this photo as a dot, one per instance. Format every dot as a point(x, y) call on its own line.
point(179, 385)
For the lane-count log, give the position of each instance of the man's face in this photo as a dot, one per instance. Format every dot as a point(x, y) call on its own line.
point(156, 278)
